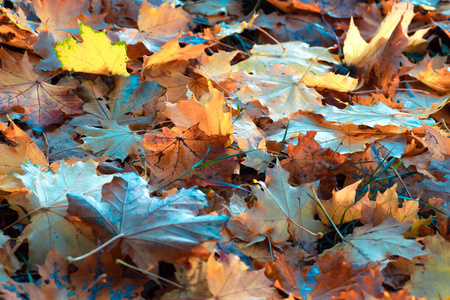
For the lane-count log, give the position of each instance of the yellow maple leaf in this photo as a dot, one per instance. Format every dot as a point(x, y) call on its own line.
point(94, 55)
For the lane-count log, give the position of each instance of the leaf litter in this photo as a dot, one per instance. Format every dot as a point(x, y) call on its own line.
point(257, 149)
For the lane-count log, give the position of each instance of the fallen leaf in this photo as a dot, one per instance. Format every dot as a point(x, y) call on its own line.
point(434, 271)
point(387, 204)
point(20, 86)
point(210, 117)
point(229, 278)
point(149, 229)
point(281, 209)
point(46, 202)
point(173, 156)
point(112, 140)
point(308, 161)
point(341, 207)
point(156, 25)
point(18, 148)
point(94, 55)
point(377, 243)
point(280, 89)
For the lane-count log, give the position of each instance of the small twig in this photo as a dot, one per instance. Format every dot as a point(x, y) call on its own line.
point(119, 261)
point(269, 35)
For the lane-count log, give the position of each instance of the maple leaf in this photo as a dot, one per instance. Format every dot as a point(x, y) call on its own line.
point(358, 52)
point(175, 155)
point(331, 81)
point(343, 139)
point(387, 204)
point(298, 55)
point(95, 280)
point(170, 56)
point(61, 17)
point(8, 261)
point(308, 162)
point(281, 208)
point(124, 102)
point(112, 140)
point(44, 47)
point(389, 70)
point(376, 243)
point(18, 148)
point(42, 101)
point(156, 25)
point(329, 277)
point(379, 114)
point(229, 278)
point(434, 73)
point(94, 55)
point(258, 160)
point(46, 202)
point(210, 117)
point(433, 271)
point(341, 207)
point(150, 229)
point(279, 89)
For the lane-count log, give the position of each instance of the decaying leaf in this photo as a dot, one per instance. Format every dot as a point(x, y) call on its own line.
point(174, 155)
point(149, 229)
point(43, 102)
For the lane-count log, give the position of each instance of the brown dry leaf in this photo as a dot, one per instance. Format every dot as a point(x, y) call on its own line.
point(308, 161)
point(389, 70)
point(229, 278)
point(388, 204)
point(281, 208)
point(18, 148)
point(443, 220)
point(341, 207)
point(9, 264)
point(210, 117)
point(170, 57)
point(175, 155)
point(190, 273)
point(334, 276)
point(434, 73)
point(45, 102)
point(287, 277)
point(99, 278)
point(330, 277)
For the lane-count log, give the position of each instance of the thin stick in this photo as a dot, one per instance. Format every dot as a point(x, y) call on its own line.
point(71, 259)
point(119, 261)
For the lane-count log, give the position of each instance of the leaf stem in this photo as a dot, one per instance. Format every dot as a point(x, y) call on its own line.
point(119, 261)
point(71, 259)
